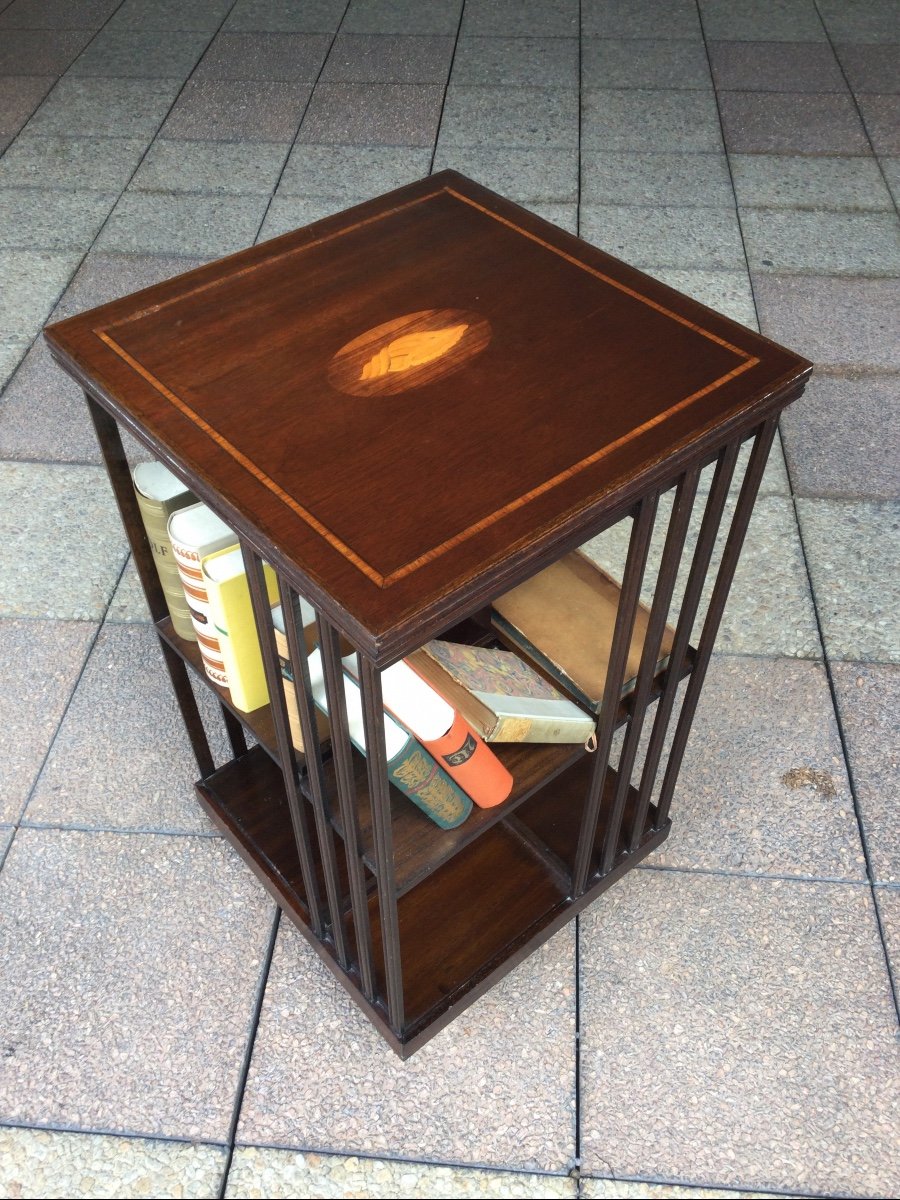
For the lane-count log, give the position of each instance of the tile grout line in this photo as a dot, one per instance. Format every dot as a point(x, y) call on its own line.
point(440, 120)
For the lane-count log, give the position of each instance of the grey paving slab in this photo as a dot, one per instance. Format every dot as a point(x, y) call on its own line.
point(617, 1189)
point(170, 15)
point(104, 277)
point(287, 213)
point(128, 605)
point(668, 237)
point(838, 323)
point(40, 52)
point(71, 163)
point(133, 963)
point(785, 181)
point(392, 114)
point(775, 67)
point(294, 57)
point(273, 1174)
point(643, 63)
point(753, 1020)
point(237, 110)
point(520, 18)
point(62, 545)
point(529, 61)
point(881, 115)
point(868, 696)
point(853, 550)
point(7, 833)
point(821, 243)
point(41, 219)
point(888, 900)
point(286, 16)
point(57, 14)
point(141, 54)
point(563, 215)
point(33, 280)
point(41, 1162)
point(111, 765)
point(12, 351)
point(526, 176)
point(616, 177)
point(792, 123)
point(639, 119)
point(527, 118)
point(369, 58)
point(39, 662)
point(860, 20)
point(178, 165)
point(105, 107)
point(761, 20)
point(435, 1099)
point(871, 68)
point(352, 171)
point(891, 168)
point(649, 19)
point(728, 292)
point(19, 97)
point(842, 438)
point(403, 16)
point(154, 223)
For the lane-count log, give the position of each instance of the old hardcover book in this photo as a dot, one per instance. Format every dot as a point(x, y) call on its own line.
point(159, 494)
point(500, 695)
point(563, 619)
point(231, 611)
point(195, 532)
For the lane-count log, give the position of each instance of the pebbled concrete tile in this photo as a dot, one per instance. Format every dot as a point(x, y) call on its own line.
point(43, 1163)
point(38, 219)
point(395, 114)
point(56, 14)
point(703, 238)
point(366, 58)
point(871, 68)
point(784, 181)
point(528, 118)
point(33, 280)
point(529, 61)
point(237, 111)
point(646, 63)
point(520, 18)
point(888, 900)
point(822, 243)
point(617, 1189)
point(40, 51)
point(728, 292)
point(775, 67)
point(293, 57)
point(61, 541)
point(169, 15)
point(351, 171)
point(287, 213)
point(183, 166)
point(71, 163)
point(866, 21)
point(792, 123)
point(19, 97)
point(12, 351)
point(842, 438)
point(403, 16)
point(783, 986)
point(838, 323)
point(639, 119)
point(761, 20)
point(39, 662)
point(283, 1173)
point(527, 1066)
point(7, 833)
point(853, 550)
point(611, 177)
point(867, 698)
point(133, 963)
point(881, 115)
point(128, 605)
point(526, 176)
point(141, 54)
point(105, 107)
point(202, 225)
point(891, 168)
point(286, 16)
point(124, 681)
point(622, 19)
point(563, 215)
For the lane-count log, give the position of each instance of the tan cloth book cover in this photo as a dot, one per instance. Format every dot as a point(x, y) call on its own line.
point(159, 495)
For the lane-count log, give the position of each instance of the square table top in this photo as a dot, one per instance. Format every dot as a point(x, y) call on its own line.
point(410, 406)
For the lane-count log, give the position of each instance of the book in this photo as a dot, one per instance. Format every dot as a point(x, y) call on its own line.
point(231, 613)
point(195, 532)
point(563, 620)
point(500, 695)
point(444, 732)
point(287, 673)
point(159, 494)
point(411, 769)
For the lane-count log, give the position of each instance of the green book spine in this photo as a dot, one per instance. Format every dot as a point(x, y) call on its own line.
point(156, 515)
point(416, 774)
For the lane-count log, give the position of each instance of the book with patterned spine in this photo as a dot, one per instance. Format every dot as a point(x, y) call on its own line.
point(195, 532)
point(159, 494)
point(231, 610)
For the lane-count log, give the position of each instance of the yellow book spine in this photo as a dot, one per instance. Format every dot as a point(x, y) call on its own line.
point(231, 611)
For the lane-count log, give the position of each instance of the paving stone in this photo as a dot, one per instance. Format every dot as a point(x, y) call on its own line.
point(128, 605)
point(529, 118)
point(286, 16)
point(888, 900)
point(7, 833)
point(668, 237)
point(33, 280)
point(40, 52)
point(108, 107)
point(645, 63)
point(61, 541)
point(19, 97)
point(838, 323)
point(294, 57)
point(55, 14)
point(891, 168)
point(520, 18)
point(649, 19)
point(529, 61)
point(868, 696)
point(728, 292)
point(106, 740)
point(792, 123)
point(637, 119)
point(403, 16)
point(38, 219)
point(240, 110)
point(133, 962)
point(782, 181)
point(367, 58)
point(611, 177)
point(43, 1163)
point(351, 171)
point(41, 661)
point(257, 1172)
point(842, 438)
point(563, 215)
point(395, 114)
point(755, 1011)
point(775, 67)
point(617, 1189)
point(526, 176)
point(183, 166)
point(871, 68)
point(141, 54)
point(287, 213)
point(881, 115)
point(12, 351)
point(170, 15)
point(860, 20)
point(821, 243)
point(155, 223)
point(761, 20)
point(71, 163)
point(435, 1099)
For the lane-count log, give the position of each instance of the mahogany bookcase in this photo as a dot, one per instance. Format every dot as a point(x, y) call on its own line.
point(407, 409)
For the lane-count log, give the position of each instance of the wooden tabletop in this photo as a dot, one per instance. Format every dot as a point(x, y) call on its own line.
point(411, 405)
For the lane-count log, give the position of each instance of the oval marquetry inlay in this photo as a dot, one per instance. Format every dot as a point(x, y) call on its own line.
point(408, 352)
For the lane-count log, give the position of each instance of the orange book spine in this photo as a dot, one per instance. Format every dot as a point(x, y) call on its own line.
point(471, 762)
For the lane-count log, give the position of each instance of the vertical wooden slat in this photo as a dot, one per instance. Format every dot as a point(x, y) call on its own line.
point(235, 731)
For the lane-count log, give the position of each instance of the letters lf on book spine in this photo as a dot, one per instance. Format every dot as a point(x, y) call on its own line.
point(160, 494)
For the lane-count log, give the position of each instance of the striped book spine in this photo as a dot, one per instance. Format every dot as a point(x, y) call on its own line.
point(196, 532)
